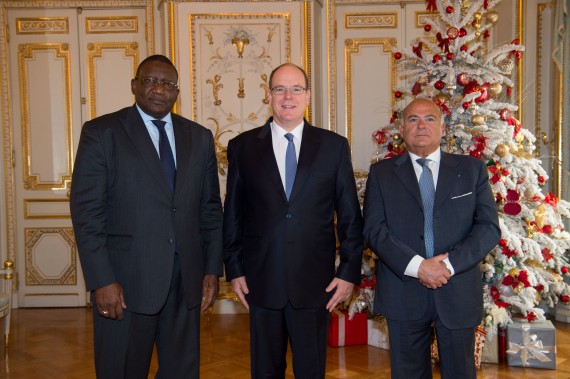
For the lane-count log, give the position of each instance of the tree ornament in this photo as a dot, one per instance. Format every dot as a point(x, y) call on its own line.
point(449, 56)
point(462, 32)
point(564, 270)
point(512, 208)
point(540, 216)
point(439, 85)
point(436, 58)
point(450, 88)
point(505, 66)
point(397, 137)
point(427, 27)
point(441, 98)
point(518, 55)
point(492, 17)
point(453, 32)
point(398, 94)
point(477, 33)
point(502, 150)
point(495, 89)
point(398, 55)
point(477, 16)
point(463, 79)
point(477, 120)
point(449, 9)
point(466, 105)
point(541, 180)
point(422, 80)
point(463, 48)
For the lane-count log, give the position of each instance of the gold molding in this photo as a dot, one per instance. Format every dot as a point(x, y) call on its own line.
point(520, 67)
point(422, 18)
point(33, 275)
point(371, 20)
point(111, 24)
point(29, 216)
point(25, 51)
point(95, 50)
point(352, 46)
point(42, 25)
point(307, 35)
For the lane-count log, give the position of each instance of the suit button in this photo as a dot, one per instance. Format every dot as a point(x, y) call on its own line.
point(421, 237)
point(289, 215)
point(173, 210)
point(171, 240)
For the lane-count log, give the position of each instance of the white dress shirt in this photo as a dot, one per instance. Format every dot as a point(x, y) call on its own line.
point(280, 145)
point(433, 164)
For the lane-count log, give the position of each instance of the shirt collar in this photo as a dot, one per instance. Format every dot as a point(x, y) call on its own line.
point(435, 156)
point(280, 132)
point(146, 118)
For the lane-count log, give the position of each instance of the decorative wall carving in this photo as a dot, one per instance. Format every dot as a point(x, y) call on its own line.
point(119, 24)
point(42, 267)
point(370, 20)
point(42, 25)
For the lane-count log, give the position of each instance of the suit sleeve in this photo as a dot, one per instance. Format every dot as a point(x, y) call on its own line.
point(88, 201)
point(393, 252)
point(211, 214)
point(349, 220)
point(485, 233)
point(233, 218)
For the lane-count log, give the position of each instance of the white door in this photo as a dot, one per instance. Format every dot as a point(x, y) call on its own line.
point(66, 66)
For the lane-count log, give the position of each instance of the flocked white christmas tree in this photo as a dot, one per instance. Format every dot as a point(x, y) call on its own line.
point(471, 83)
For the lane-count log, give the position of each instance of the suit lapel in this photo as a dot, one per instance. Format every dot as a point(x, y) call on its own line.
point(404, 171)
point(267, 157)
point(309, 148)
point(136, 130)
point(446, 180)
point(185, 157)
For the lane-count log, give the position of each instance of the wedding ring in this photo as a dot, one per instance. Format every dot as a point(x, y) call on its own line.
point(105, 313)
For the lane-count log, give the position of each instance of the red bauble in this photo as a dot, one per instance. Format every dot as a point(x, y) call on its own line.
point(449, 56)
point(427, 27)
point(503, 243)
point(439, 85)
point(512, 209)
point(539, 287)
point(398, 94)
point(547, 229)
point(505, 114)
point(463, 79)
point(453, 32)
point(463, 48)
point(564, 270)
point(462, 32)
point(398, 55)
point(436, 58)
point(518, 55)
point(509, 91)
point(465, 105)
point(564, 298)
point(449, 9)
point(541, 179)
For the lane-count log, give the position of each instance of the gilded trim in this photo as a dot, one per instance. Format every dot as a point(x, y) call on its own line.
point(371, 20)
point(26, 51)
point(423, 18)
point(520, 67)
point(352, 46)
point(42, 25)
point(29, 216)
point(115, 24)
point(307, 52)
point(95, 50)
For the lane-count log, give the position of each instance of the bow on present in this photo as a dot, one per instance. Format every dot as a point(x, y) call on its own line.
point(531, 348)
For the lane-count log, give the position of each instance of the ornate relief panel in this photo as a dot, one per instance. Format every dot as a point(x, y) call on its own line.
point(51, 256)
point(42, 25)
point(44, 72)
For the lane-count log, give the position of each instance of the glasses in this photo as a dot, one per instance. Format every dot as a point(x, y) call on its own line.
point(295, 91)
point(152, 82)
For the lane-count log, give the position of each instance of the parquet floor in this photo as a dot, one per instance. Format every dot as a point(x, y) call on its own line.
point(57, 343)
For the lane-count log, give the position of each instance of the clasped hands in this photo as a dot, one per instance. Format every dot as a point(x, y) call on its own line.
point(433, 272)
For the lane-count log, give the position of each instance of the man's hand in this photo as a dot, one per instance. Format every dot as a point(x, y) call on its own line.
point(210, 290)
point(433, 273)
point(240, 288)
point(342, 292)
point(110, 302)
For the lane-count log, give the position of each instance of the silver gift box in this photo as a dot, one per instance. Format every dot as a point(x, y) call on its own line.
point(531, 345)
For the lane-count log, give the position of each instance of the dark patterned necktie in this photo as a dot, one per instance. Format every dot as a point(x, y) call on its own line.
point(166, 156)
point(290, 165)
point(427, 190)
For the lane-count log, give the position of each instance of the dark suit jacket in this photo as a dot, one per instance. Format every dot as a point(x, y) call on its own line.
point(127, 223)
point(286, 249)
point(465, 225)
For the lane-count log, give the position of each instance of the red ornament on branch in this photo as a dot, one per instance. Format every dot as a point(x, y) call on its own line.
point(398, 94)
point(439, 85)
point(449, 9)
point(418, 50)
point(564, 270)
point(431, 6)
point(398, 55)
point(436, 58)
point(564, 298)
point(427, 27)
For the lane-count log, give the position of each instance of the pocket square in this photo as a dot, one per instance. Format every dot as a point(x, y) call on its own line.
point(465, 194)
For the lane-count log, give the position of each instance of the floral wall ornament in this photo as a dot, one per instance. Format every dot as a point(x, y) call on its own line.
point(241, 90)
point(265, 86)
point(240, 44)
point(216, 86)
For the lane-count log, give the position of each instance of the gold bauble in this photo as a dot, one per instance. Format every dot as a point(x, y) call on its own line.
point(477, 120)
point(492, 16)
point(397, 137)
point(451, 142)
point(477, 16)
point(502, 150)
point(441, 98)
point(477, 34)
point(519, 138)
point(540, 215)
point(396, 145)
point(495, 89)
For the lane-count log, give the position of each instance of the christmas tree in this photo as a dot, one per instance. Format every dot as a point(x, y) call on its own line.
point(471, 83)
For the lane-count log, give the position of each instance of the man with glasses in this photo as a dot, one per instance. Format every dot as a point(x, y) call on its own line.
point(286, 180)
point(147, 217)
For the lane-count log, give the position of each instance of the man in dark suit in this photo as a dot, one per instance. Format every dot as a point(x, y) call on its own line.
point(147, 217)
point(279, 230)
point(429, 250)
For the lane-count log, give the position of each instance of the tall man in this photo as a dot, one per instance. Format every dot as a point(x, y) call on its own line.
point(147, 216)
point(279, 230)
point(431, 218)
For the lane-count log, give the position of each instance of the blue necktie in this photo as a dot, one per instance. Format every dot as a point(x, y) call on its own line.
point(427, 190)
point(166, 156)
point(290, 165)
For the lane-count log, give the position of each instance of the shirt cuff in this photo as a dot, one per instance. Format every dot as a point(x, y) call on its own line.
point(449, 266)
point(414, 266)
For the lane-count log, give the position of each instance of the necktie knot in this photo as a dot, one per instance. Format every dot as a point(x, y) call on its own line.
point(424, 162)
point(289, 137)
point(159, 124)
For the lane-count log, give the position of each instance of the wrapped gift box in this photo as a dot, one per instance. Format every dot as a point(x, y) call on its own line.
point(378, 332)
point(345, 332)
point(531, 345)
point(491, 351)
point(480, 336)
